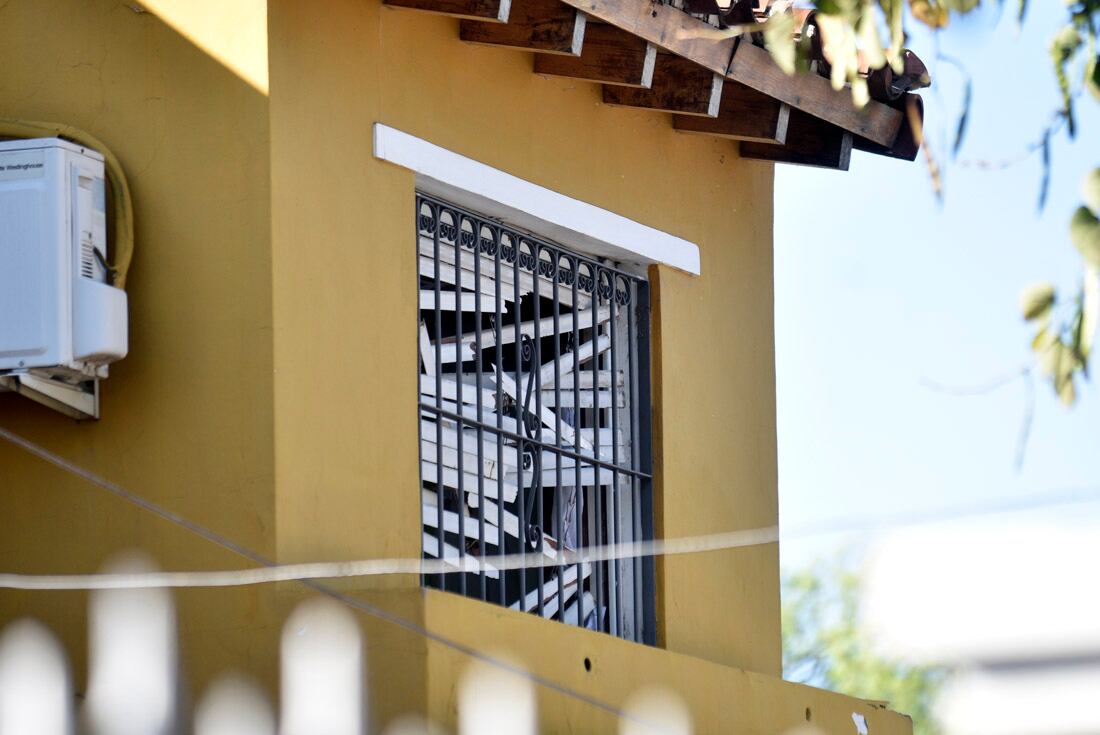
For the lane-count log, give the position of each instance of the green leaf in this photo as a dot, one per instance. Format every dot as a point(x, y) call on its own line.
point(1043, 339)
point(1062, 48)
point(1079, 350)
point(1090, 312)
point(1050, 357)
point(860, 93)
point(932, 14)
point(1044, 182)
point(1092, 77)
point(894, 11)
point(1091, 191)
point(1036, 300)
point(779, 38)
point(1061, 368)
point(870, 44)
point(962, 7)
point(839, 39)
point(964, 116)
point(1065, 43)
point(1067, 392)
point(1084, 232)
point(1021, 12)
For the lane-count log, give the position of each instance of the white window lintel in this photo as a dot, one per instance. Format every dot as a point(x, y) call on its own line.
point(532, 207)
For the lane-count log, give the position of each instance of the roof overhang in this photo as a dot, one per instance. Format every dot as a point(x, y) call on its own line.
point(653, 55)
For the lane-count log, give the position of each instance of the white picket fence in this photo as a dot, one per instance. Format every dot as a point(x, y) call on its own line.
point(133, 684)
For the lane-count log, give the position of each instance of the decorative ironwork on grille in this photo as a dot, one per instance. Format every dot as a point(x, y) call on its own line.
point(534, 419)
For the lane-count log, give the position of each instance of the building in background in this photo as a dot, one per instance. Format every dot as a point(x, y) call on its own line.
point(394, 294)
point(1009, 609)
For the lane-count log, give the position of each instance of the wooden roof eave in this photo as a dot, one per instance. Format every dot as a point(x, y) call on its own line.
point(679, 33)
point(655, 56)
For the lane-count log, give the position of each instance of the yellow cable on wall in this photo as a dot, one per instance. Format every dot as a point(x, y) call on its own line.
point(122, 250)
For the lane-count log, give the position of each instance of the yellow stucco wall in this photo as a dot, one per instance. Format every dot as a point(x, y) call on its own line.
point(187, 417)
point(721, 699)
point(334, 74)
point(270, 391)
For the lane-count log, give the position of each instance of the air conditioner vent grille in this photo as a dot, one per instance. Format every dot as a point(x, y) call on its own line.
point(87, 259)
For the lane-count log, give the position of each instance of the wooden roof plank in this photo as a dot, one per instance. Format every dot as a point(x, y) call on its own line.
point(678, 85)
point(609, 55)
point(691, 38)
point(664, 26)
point(744, 114)
point(753, 67)
point(906, 146)
point(486, 10)
point(810, 142)
point(547, 26)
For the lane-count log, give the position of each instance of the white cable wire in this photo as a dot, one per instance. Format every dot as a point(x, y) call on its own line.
point(703, 544)
point(375, 567)
point(271, 572)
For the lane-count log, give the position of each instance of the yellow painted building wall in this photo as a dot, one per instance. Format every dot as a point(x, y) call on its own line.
point(721, 699)
point(188, 416)
point(270, 392)
point(334, 74)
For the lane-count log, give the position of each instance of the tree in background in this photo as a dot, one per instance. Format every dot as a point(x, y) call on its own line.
point(857, 35)
point(824, 646)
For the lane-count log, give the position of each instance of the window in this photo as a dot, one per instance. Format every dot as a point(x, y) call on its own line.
point(534, 419)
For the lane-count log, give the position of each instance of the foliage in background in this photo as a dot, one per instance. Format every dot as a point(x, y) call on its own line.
point(824, 646)
point(875, 30)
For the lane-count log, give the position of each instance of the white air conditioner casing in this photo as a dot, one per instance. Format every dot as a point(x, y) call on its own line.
point(59, 318)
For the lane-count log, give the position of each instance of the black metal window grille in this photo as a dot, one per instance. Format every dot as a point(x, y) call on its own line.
point(534, 419)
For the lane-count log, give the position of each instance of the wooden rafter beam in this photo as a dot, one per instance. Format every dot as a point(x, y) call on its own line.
point(744, 114)
point(609, 55)
point(665, 27)
point(691, 38)
point(487, 10)
point(549, 26)
point(906, 146)
point(678, 85)
point(813, 94)
point(810, 142)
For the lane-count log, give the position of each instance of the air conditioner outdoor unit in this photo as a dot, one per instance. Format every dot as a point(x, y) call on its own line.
point(61, 323)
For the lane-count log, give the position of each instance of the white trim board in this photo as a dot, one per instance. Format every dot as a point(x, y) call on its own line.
point(529, 206)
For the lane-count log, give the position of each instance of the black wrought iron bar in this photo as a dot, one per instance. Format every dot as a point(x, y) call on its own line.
point(635, 484)
point(585, 459)
point(458, 219)
point(437, 358)
point(558, 517)
point(597, 492)
point(578, 487)
point(497, 319)
point(521, 526)
point(419, 204)
point(616, 509)
point(642, 386)
point(475, 228)
point(536, 378)
point(529, 236)
point(576, 287)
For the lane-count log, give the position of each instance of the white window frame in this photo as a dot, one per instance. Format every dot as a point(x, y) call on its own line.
point(526, 205)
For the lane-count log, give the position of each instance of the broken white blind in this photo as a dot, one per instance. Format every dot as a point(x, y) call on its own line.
point(534, 419)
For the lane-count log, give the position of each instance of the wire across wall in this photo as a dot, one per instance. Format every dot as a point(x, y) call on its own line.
point(534, 420)
point(310, 578)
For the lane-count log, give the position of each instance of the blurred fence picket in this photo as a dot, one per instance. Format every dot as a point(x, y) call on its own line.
point(35, 693)
point(133, 680)
point(132, 661)
point(233, 705)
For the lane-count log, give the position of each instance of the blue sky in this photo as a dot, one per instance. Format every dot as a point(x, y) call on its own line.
point(880, 290)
